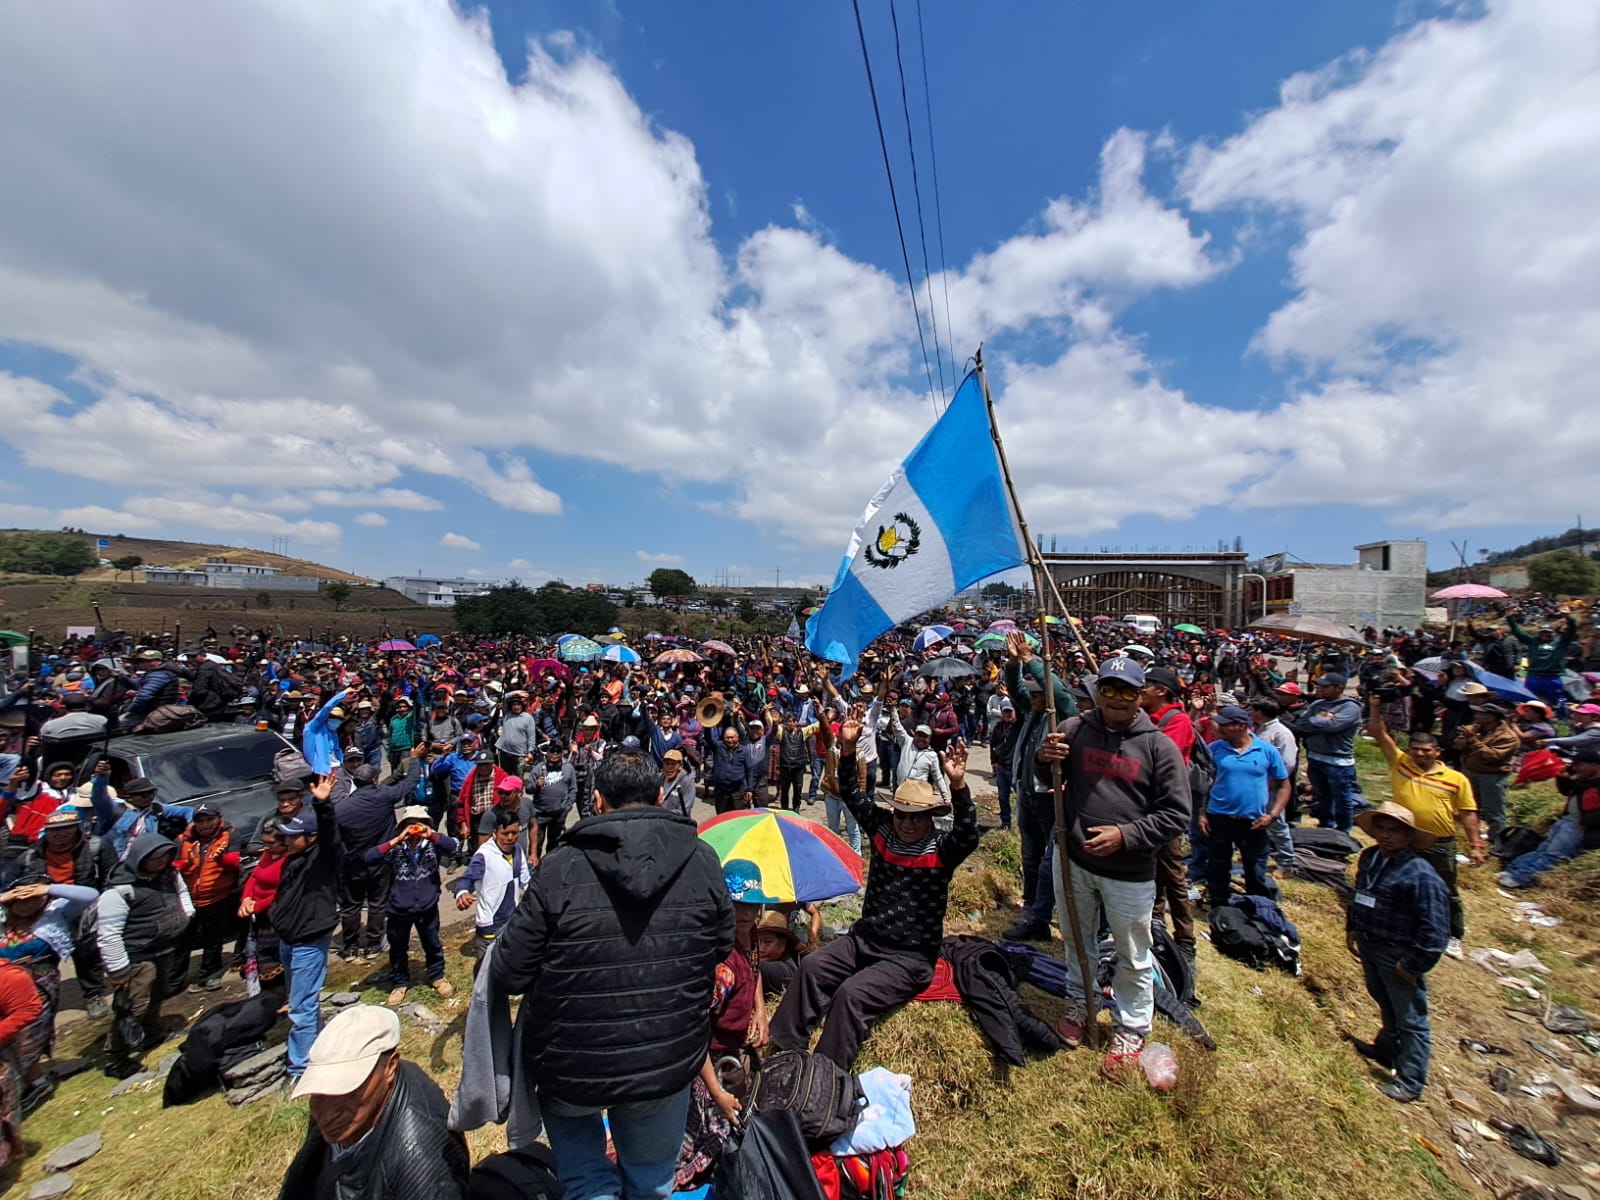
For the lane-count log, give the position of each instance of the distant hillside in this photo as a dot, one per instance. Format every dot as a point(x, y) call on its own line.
point(157, 552)
point(1572, 538)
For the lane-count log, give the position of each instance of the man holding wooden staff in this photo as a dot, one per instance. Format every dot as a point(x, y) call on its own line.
point(1126, 794)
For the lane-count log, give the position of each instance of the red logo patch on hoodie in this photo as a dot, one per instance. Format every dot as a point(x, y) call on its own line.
point(1110, 766)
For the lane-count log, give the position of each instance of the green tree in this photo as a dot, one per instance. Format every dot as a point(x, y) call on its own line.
point(128, 562)
point(1003, 592)
point(717, 601)
point(747, 610)
point(339, 591)
point(263, 599)
point(514, 609)
point(669, 581)
point(46, 553)
point(1563, 573)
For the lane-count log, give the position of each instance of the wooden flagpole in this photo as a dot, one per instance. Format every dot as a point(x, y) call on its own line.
point(1074, 930)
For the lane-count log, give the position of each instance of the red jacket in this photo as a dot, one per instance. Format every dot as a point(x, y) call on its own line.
point(1174, 721)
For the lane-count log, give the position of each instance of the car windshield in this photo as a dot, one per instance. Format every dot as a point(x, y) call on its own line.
point(211, 767)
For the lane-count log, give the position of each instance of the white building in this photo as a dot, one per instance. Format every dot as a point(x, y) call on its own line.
point(437, 593)
point(220, 573)
point(1387, 585)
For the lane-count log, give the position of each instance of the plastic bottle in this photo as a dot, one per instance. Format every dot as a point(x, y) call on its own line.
point(1160, 1066)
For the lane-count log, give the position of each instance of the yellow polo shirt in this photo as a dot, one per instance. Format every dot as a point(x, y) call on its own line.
point(1434, 797)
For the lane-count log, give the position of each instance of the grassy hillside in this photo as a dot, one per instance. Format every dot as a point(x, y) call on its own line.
point(1282, 1110)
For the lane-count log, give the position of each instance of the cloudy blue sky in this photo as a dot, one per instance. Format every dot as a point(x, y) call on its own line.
point(578, 289)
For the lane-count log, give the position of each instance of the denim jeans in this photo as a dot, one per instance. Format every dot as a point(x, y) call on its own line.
point(1226, 834)
point(1405, 1038)
point(1036, 821)
point(426, 923)
point(1564, 841)
point(1127, 908)
point(647, 1136)
point(1490, 793)
point(1282, 843)
point(1331, 789)
point(837, 813)
point(1002, 784)
point(305, 967)
point(818, 763)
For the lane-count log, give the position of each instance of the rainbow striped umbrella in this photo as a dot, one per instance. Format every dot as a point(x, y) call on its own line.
point(775, 857)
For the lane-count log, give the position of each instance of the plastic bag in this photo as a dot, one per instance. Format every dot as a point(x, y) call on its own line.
point(1160, 1066)
point(252, 968)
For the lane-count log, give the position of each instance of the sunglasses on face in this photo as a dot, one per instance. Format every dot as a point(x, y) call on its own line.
point(1117, 691)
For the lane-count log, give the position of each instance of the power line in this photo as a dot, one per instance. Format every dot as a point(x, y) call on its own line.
point(905, 257)
point(938, 209)
point(916, 191)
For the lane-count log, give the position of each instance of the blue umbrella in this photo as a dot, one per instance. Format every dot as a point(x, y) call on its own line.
point(579, 649)
point(931, 635)
point(563, 639)
point(620, 654)
point(428, 639)
point(1506, 689)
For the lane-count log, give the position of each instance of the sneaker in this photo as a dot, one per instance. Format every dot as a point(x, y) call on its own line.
point(1124, 1052)
point(1399, 1093)
point(442, 986)
point(1373, 1053)
point(97, 1008)
point(1453, 948)
point(398, 995)
point(1507, 880)
point(1071, 1031)
point(211, 983)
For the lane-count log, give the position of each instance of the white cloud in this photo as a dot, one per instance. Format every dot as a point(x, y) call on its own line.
point(1446, 278)
point(521, 566)
point(667, 560)
point(206, 511)
point(29, 516)
point(455, 541)
point(370, 519)
point(473, 573)
point(495, 264)
point(97, 519)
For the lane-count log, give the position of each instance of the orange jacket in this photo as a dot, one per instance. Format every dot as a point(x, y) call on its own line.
point(210, 870)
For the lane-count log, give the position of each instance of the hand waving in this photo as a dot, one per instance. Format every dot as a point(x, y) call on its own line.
point(954, 761)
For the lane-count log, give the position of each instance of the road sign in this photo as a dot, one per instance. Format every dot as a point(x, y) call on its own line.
point(1296, 608)
point(105, 543)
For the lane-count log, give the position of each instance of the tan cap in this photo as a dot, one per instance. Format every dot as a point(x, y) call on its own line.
point(1397, 812)
point(916, 796)
point(413, 812)
point(674, 755)
point(346, 1051)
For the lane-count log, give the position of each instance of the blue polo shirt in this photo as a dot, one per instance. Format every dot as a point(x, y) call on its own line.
point(1241, 788)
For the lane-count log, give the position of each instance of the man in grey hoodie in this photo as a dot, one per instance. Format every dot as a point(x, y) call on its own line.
point(1126, 796)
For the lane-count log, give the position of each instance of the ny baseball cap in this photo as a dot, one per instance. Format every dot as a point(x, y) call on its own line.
point(1121, 670)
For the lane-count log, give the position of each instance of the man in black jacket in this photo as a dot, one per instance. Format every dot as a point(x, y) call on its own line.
point(305, 912)
point(616, 944)
point(888, 955)
point(378, 1123)
point(365, 817)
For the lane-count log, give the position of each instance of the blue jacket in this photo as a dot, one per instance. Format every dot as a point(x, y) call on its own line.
point(414, 885)
point(157, 688)
point(1327, 728)
point(320, 743)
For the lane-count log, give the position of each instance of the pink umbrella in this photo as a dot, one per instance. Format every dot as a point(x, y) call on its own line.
point(1469, 591)
point(549, 666)
point(1005, 625)
point(677, 656)
point(719, 647)
point(395, 646)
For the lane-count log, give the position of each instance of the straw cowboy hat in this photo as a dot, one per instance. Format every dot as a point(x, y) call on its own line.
point(1398, 812)
point(776, 922)
point(916, 796)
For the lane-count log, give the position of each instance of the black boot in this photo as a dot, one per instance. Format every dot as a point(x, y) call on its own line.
point(1186, 952)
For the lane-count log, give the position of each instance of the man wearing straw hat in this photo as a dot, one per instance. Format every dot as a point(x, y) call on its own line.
point(1398, 924)
point(888, 955)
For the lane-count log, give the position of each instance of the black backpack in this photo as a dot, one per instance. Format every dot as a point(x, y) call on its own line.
point(1238, 934)
point(1516, 840)
point(826, 1100)
point(526, 1173)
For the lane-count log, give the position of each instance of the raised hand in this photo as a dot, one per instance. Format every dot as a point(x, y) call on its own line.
point(954, 761)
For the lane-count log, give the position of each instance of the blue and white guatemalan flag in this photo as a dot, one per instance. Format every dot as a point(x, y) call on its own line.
point(942, 523)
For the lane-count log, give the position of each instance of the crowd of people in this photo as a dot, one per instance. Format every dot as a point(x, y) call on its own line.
point(554, 801)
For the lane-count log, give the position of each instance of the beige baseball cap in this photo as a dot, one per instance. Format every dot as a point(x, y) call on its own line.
point(347, 1049)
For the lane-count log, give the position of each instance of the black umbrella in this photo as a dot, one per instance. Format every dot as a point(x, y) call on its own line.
point(947, 668)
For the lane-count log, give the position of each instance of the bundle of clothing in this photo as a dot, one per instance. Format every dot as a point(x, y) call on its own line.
point(1323, 856)
point(1048, 973)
